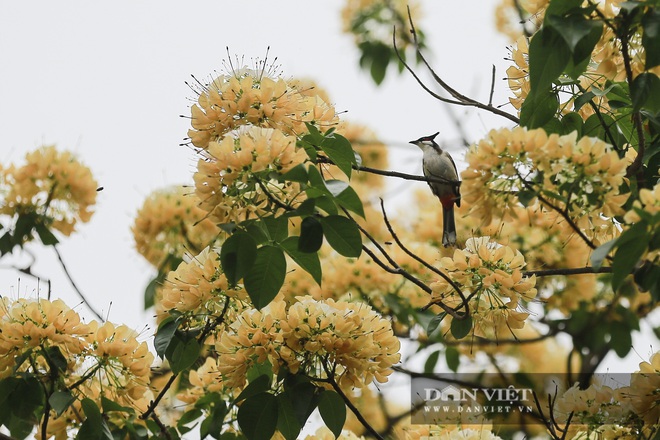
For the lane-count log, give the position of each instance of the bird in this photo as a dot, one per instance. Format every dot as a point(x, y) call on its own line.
point(440, 170)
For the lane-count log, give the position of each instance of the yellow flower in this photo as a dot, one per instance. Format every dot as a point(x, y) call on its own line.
point(234, 179)
point(205, 379)
point(252, 97)
point(585, 174)
point(649, 201)
point(27, 324)
point(198, 289)
point(126, 363)
point(491, 274)
point(169, 223)
point(53, 184)
point(315, 337)
point(644, 390)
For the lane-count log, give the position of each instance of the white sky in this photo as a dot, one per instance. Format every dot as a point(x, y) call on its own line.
point(106, 80)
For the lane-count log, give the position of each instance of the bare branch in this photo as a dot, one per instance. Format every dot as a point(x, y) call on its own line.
point(75, 286)
point(424, 263)
point(458, 98)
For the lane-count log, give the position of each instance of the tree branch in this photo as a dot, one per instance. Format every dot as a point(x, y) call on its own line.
point(75, 286)
point(459, 99)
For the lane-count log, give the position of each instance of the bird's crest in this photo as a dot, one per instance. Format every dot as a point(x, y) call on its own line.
point(426, 140)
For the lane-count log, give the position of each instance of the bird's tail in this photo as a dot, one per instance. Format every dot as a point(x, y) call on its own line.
point(448, 226)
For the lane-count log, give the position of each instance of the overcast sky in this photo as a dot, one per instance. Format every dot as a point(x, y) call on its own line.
point(106, 80)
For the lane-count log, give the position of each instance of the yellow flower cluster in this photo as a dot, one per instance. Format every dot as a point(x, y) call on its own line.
point(491, 276)
point(587, 405)
point(234, 180)
point(102, 360)
point(206, 379)
point(251, 97)
point(169, 223)
point(198, 289)
point(643, 393)
point(518, 74)
point(27, 324)
point(361, 279)
point(53, 184)
point(584, 175)
point(125, 362)
point(349, 340)
point(649, 201)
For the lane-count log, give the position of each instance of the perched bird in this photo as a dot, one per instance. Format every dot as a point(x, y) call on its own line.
point(440, 169)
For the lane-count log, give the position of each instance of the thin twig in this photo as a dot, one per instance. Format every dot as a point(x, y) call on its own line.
point(325, 160)
point(75, 286)
point(459, 99)
point(567, 271)
point(420, 260)
point(347, 401)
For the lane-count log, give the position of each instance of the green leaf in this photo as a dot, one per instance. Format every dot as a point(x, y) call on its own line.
point(6, 243)
point(599, 254)
point(276, 228)
point(630, 247)
point(431, 362)
point(343, 235)
point(452, 356)
point(350, 200)
point(460, 328)
point(257, 416)
point(60, 401)
point(237, 255)
point(561, 7)
point(27, 398)
point(310, 262)
point(651, 37)
point(620, 338)
point(296, 174)
point(182, 353)
point(25, 223)
point(257, 386)
point(525, 197)
point(164, 335)
point(548, 56)
point(304, 397)
point(538, 110)
point(110, 406)
point(56, 360)
point(212, 425)
point(573, 28)
point(94, 427)
point(287, 422)
point(572, 122)
point(187, 418)
point(45, 235)
point(311, 235)
point(259, 369)
point(266, 276)
point(327, 205)
point(435, 322)
point(333, 411)
point(340, 152)
point(645, 92)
